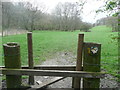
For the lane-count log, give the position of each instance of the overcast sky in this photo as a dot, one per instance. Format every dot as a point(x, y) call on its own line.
point(88, 15)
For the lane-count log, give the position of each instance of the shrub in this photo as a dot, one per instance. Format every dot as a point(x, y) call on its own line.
point(85, 27)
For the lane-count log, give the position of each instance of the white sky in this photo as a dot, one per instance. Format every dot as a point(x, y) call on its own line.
point(88, 15)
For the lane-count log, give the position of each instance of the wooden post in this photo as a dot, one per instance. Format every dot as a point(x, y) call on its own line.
point(30, 56)
point(91, 63)
point(77, 81)
point(12, 60)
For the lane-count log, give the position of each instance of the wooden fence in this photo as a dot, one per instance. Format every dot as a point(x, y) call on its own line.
point(87, 66)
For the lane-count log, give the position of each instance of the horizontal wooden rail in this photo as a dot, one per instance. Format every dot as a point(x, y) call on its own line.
point(51, 67)
point(54, 67)
point(52, 73)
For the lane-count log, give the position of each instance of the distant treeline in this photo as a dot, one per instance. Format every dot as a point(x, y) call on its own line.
point(110, 21)
point(24, 15)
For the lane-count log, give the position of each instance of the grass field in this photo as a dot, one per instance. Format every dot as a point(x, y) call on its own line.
point(47, 43)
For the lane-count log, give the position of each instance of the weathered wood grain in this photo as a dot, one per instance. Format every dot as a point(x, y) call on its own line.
point(50, 67)
point(52, 73)
point(12, 60)
point(30, 56)
point(76, 81)
point(91, 63)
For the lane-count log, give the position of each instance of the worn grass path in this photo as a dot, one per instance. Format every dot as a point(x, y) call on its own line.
point(48, 43)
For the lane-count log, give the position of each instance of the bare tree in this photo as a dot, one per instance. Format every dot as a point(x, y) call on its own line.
point(30, 16)
point(68, 15)
point(6, 14)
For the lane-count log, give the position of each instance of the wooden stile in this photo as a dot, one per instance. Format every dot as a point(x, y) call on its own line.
point(89, 71)
point(12, 60)
point(91, 63)
point(30, 56)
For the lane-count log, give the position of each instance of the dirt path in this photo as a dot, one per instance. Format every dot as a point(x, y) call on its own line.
point(60, 59)
point(68, 58)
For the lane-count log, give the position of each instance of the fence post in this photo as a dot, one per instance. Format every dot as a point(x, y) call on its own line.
point(12, 60)
point(91, 63)
point(30, 56)
point(77, 81)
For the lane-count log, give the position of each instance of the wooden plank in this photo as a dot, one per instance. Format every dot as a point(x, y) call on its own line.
point(91, 63)
point(55, 67)
point(51, 67)
point(30, 56)
point(12, 60)
point(52, 73)
point(76, 81)
point(44, 84)
point(54, 89)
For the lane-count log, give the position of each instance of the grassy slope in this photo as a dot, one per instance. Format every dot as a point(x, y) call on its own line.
point(46, 43)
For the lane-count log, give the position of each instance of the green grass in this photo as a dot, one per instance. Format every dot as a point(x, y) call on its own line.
point(47, 43)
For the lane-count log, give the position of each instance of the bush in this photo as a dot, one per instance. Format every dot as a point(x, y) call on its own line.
point(85, 27)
